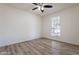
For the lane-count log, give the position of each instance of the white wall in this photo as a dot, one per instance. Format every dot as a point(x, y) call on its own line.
point(69, 25)
point(18, 26)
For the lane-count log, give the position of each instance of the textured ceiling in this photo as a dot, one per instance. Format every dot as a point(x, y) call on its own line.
point(56, 7)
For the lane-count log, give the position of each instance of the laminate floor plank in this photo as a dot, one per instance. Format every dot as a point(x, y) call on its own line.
point(40, 47)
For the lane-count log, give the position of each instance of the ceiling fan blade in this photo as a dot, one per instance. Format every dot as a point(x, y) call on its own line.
point(35, 8)
point(48, 6)
point(35, 3)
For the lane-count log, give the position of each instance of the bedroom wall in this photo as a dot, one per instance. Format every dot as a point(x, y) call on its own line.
point(69, 19)
point(18, 25)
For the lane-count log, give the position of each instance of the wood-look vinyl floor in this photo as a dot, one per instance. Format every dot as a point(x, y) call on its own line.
point(40, 47)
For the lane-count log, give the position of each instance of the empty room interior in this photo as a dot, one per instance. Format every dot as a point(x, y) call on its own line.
point(39, 29)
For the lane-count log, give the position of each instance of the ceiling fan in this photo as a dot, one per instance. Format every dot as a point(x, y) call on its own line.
point(41, 6)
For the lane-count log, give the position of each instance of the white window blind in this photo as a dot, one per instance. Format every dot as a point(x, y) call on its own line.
point(55, 26)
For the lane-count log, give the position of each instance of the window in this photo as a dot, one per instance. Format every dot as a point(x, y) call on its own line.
point(55, 28)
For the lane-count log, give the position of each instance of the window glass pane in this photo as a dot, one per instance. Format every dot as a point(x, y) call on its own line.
point(55, 30)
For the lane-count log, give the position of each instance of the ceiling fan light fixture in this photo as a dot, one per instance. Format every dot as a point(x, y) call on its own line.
point(41, 6)
point(42, 10)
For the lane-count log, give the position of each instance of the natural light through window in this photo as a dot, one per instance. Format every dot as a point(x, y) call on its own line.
point(55, 26)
